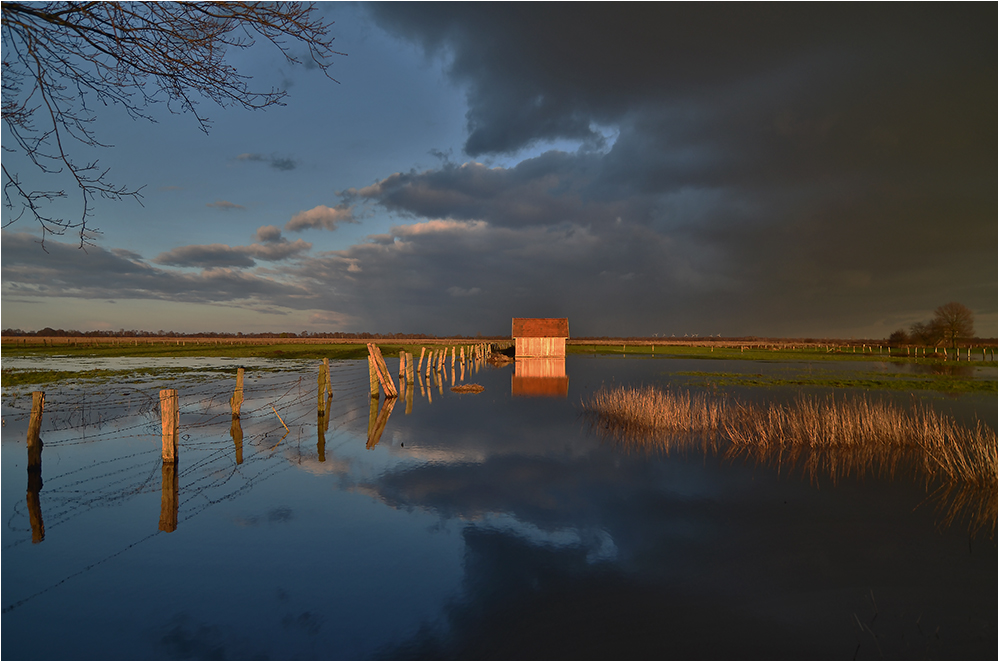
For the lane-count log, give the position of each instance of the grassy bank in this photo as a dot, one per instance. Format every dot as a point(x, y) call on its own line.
point(781, 353)
point(874, 381)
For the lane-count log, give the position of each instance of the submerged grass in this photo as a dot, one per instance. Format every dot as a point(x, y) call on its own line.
point(14, 377)
point(825, 436)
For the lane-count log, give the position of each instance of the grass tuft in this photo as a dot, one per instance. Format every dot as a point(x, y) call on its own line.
point(825, 436)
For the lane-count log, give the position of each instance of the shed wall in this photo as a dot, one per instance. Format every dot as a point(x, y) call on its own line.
point(539, 347)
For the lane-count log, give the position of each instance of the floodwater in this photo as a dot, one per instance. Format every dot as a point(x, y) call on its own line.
point(445, 525)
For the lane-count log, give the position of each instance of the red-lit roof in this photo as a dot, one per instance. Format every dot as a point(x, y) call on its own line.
point(540, 327)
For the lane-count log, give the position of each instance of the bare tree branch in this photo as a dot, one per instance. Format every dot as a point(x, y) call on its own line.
point(58, 57)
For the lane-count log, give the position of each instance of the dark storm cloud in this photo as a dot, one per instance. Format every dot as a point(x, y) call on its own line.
point(65, 271)
point(205, 255)
point(545, 71)
point(223, 255)
point(802, 168)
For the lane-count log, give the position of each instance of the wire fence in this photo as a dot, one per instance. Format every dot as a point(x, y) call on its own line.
point(222, 457)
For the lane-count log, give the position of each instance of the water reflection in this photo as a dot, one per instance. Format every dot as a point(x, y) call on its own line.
point(377, 427)
point(534, 376)
point(34, 504)
point(168, 496)
point(503, 528)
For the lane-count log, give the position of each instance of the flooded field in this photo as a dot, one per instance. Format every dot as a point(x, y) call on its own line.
point(500, 524)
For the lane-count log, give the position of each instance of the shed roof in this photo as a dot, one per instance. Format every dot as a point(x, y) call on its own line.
point(540, 327)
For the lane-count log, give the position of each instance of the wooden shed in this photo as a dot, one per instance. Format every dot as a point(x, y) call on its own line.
point(540, 337)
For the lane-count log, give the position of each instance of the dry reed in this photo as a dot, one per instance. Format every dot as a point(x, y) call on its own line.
point(825, 436)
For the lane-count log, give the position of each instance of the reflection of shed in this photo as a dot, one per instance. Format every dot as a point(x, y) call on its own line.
point(539, 376)
point(540, 337)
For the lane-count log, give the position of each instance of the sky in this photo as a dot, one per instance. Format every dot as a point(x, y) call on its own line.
point(818, 170)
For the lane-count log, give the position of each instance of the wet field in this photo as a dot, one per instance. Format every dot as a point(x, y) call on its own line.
point(498, 524)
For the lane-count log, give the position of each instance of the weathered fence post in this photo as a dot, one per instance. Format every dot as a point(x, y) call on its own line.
point(237, 400)
point(409, 368)
point(421, 362)
point(382, 371)
point(329, 382)
point(34, 430)
point(35, 467)
point(169, 418)
point(402, 371)
point(321, 387)
point(372, 378)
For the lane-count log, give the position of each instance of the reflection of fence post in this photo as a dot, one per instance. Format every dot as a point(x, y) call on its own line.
point(236, 431)
point(168, 498)
point(170, 421)
point(34, 430)
point(237, 400)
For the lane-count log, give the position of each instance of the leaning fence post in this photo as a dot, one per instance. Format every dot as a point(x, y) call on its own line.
point(409, 368)
point(372, 378)
point(170, 421)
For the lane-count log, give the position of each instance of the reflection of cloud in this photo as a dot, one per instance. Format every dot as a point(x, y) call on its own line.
point(277, 515)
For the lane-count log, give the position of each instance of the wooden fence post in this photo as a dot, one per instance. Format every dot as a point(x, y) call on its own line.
point(421, 362)
point(237, 400)
point(34, 430)
point(329, 382)
point(321, 387)
point(409, 368)
point(372, 378)
point(402, 371)
point(169, 419)
point(382, 371)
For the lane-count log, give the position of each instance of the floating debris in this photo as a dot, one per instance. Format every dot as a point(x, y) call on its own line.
point(468, 388)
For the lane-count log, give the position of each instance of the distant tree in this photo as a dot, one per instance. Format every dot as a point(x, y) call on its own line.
point(954, 322)
point(59, 58)
point(925, 333)
point(899, 337)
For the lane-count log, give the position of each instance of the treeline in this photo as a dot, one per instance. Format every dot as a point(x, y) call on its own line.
point(48, 332)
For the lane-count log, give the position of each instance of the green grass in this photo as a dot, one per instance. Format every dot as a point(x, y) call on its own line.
point(859, 381)
point(756, 354)
point(193, 349)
